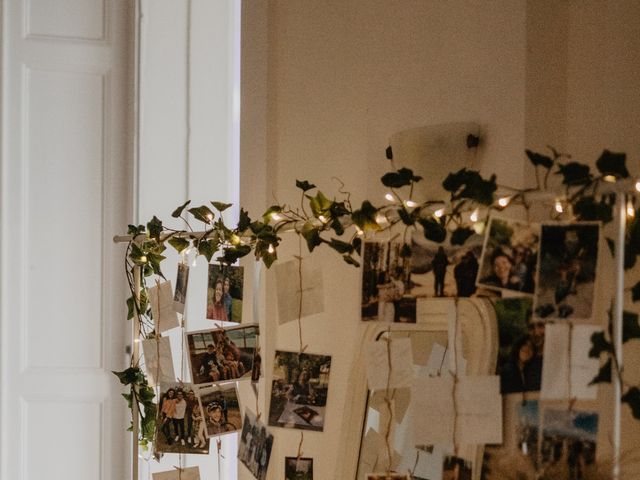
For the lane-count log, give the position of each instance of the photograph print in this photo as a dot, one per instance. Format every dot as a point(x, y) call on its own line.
point(567, 270)
point(298, 468)
point(442, 269)
point(509, 256)
point(182, 282)
point(299, 390)
point(222, 354)
point(456, 468)
point(224, 293)
point(521, 344)
point(386, 283)
point(221, 409)
point(254, 449)
point(180, 424)
point(568, 448)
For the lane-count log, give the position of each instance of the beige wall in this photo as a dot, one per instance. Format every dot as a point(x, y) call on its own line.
point(326, 83)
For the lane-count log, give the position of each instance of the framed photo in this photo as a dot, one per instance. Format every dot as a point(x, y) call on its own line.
point(567, 270)
point(223, 354)
point(254, 449)
point(298, 468)
point(221, 409)
point(180, 293)
point(299, 390)
point(180, 424)
point(224, 293)
point(442, 269)
point(386, 292)
point(509, 256)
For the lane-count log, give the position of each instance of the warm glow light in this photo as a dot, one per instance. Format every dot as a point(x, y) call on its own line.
point(504, 201)
point(235, 239)
point(559, 207)
point(609, 178)
point(410, 203)
point(638, 185)
point(478, 227)
point(380, 219)
point(439, 213)
point(631, 212)
point(359, 231)
point(210, 216)
point(143, 259)
point(474, 215)
point(389, 196)
point(276, 217)
point(271, 249)
point(322, 219)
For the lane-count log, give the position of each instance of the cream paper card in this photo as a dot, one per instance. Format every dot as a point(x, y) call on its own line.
point(383, 353)
point(288, 283)
point(188, 473)
point(152, 349)
point(161, 301)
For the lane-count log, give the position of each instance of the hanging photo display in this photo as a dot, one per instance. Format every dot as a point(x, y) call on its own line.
point(509, 256)
point(443, 269)
point(182, 282)
point(456, 468)
point(567, 270)
point(521, 346)
point(254, 449)
point(298, 468)
point(224, 293)
point(299, 390)
point(180, 425)
point(188, 473)
point(386, 283)
point(222, 354)
point(221, 408)
point(569, 442)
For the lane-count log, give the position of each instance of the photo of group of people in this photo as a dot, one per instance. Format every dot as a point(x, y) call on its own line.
point(224, 293)
point(254, 450)
point(180, 422)
point(299, 390)
point(521, 346)
point(223, 354)
point(221, 409)
point(298, 468)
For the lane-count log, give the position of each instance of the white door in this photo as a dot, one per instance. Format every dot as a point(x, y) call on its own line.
point(65, 168)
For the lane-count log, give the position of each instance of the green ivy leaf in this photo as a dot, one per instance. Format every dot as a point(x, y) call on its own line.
point(630, 326)
point(632, 397)
point(399, 178)
point(599, 344)
point(311, 235)
point(320, 205)
point(460, 235)
point(405, 251)
point(340, 246)
point(221, 207)
point(208, 248)
point(130, 376)
point(244, 221)
point(337, 226)
point(365, 217)
point(134, 231)
point(202, 213)
point(257, 226)
point(350, 260)
point(574, 173)
point(266, 216)
point(178, 211)
point(470, 184)
point(179, 243)
point(588, 209)
point(405, 216)
point(604, 374)
point(538, 159)
point(357, 244)
point(433, 230)
point(611, 163)
point(635, 292)
point(389, 153)
point(304, 185)
point(130, 308)
point(232, 254)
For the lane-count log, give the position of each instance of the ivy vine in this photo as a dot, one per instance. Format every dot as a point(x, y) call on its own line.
point(334, 222)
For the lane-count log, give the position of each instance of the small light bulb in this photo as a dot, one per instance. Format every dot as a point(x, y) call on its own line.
point(504, 201)
point(271, 249)
point(631, 212)
point(559, 208)
point(638, 185)
point(322, 218)
point(609, 178)
point(210, 216)
point(143, 259)
point(439, 213)
point(389, 196)
point(380, 219)
point(235, 239)
point(474, 215)
point(276, 216)
point(359, 231)
point(478, 227)
point(410, 203)
point(136, 340)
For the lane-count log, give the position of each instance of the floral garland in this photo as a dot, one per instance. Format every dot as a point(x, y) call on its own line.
point(335, 223)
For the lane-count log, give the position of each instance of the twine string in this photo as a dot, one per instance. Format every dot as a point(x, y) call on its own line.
point(455, 377)
point(302, 346)
point(387, 401)
point(300, 446)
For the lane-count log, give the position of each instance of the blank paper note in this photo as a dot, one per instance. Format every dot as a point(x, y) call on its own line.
point(152, 350)
point(161, 301)
point(389, 363)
